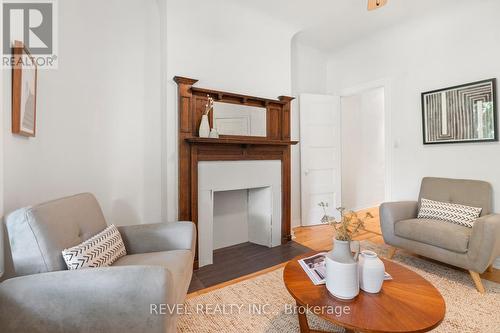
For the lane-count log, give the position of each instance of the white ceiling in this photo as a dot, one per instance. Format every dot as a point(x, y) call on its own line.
point(330, 24)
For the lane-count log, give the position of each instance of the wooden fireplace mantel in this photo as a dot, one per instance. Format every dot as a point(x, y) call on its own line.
point(241, 141)
point(192, 149)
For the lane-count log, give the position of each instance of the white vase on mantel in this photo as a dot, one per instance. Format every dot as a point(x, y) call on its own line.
point(342, 279)
point(204, 130)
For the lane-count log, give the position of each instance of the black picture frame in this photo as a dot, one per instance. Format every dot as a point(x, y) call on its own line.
point(454, 126)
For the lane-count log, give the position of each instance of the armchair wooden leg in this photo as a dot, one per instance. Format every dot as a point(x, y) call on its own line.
point(391, 252)
point(477, 281)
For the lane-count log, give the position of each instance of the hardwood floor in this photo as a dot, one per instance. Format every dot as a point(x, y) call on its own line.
point(243, 259)
point(320, 237)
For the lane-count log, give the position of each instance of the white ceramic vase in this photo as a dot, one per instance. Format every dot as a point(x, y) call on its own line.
point(342, 279)
point(204, 130)
point(371, 272)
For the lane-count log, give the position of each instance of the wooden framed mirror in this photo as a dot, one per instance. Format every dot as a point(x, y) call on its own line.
point(231, 119)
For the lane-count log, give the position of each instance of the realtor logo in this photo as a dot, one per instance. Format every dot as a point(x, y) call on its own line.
point(33, 23)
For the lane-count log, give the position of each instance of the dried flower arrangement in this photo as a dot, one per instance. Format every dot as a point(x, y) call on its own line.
point(209, 106)
point(348, 226)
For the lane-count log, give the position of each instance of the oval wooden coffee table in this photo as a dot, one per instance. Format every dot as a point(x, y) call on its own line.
point(408, 303)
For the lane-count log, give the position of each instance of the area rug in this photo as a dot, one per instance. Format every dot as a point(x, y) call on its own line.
point(262, 304)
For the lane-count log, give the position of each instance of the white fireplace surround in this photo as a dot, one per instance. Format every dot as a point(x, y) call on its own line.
point(262, 179)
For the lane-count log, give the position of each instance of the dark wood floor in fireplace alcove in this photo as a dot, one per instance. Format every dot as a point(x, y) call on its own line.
point(242, 259)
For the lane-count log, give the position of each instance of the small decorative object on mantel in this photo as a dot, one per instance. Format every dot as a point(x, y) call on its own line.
point(465, 113)
point(214, 134)
point(204, 130)
point(24, 86)
point(342, 279)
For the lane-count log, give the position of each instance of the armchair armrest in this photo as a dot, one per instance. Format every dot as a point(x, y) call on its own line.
point(145, 238)
point(110, 299)
point(484, 244)
point(392, 212)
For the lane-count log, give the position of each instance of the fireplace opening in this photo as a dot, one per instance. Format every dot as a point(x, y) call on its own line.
point(242, 216)
point(238, 202)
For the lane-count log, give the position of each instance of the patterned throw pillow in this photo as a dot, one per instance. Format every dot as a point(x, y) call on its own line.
point(449, 212)
point(99, 251)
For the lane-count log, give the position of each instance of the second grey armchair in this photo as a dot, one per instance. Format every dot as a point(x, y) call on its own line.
point(40, 295)
point(473, 249)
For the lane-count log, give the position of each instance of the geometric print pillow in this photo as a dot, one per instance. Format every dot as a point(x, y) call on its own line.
point(99, 251)
point(449, 212)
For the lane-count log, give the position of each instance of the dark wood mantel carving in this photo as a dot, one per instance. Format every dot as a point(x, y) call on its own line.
point(192, 149)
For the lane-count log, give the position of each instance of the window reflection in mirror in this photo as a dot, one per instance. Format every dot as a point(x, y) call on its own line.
point(235, 119)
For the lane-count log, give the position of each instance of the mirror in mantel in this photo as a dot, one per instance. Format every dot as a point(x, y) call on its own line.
point(237, 119)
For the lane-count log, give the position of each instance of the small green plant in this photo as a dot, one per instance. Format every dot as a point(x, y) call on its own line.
point(348, 226)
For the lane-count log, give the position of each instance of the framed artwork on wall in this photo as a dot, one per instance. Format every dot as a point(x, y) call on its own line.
point(24, 87)
point(464, 113)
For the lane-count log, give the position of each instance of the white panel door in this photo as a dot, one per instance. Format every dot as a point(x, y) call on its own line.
point(320, 156)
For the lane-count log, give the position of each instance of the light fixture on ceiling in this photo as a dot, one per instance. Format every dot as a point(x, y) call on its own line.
point(376, 4)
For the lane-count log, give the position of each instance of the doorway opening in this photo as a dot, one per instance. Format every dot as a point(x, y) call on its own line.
point(363, 149)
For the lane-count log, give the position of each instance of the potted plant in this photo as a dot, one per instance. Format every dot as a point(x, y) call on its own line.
point(342, 279)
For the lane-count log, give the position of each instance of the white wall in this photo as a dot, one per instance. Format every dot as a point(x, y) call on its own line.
point(226, 46)
point(2, 235)
point(102, 124)
point(98, 115)
point(363, 149)
point(436, 51)
point(309, 75)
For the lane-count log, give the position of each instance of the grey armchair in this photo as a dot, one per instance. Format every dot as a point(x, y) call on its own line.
point(40, 295)
point(473, 249)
